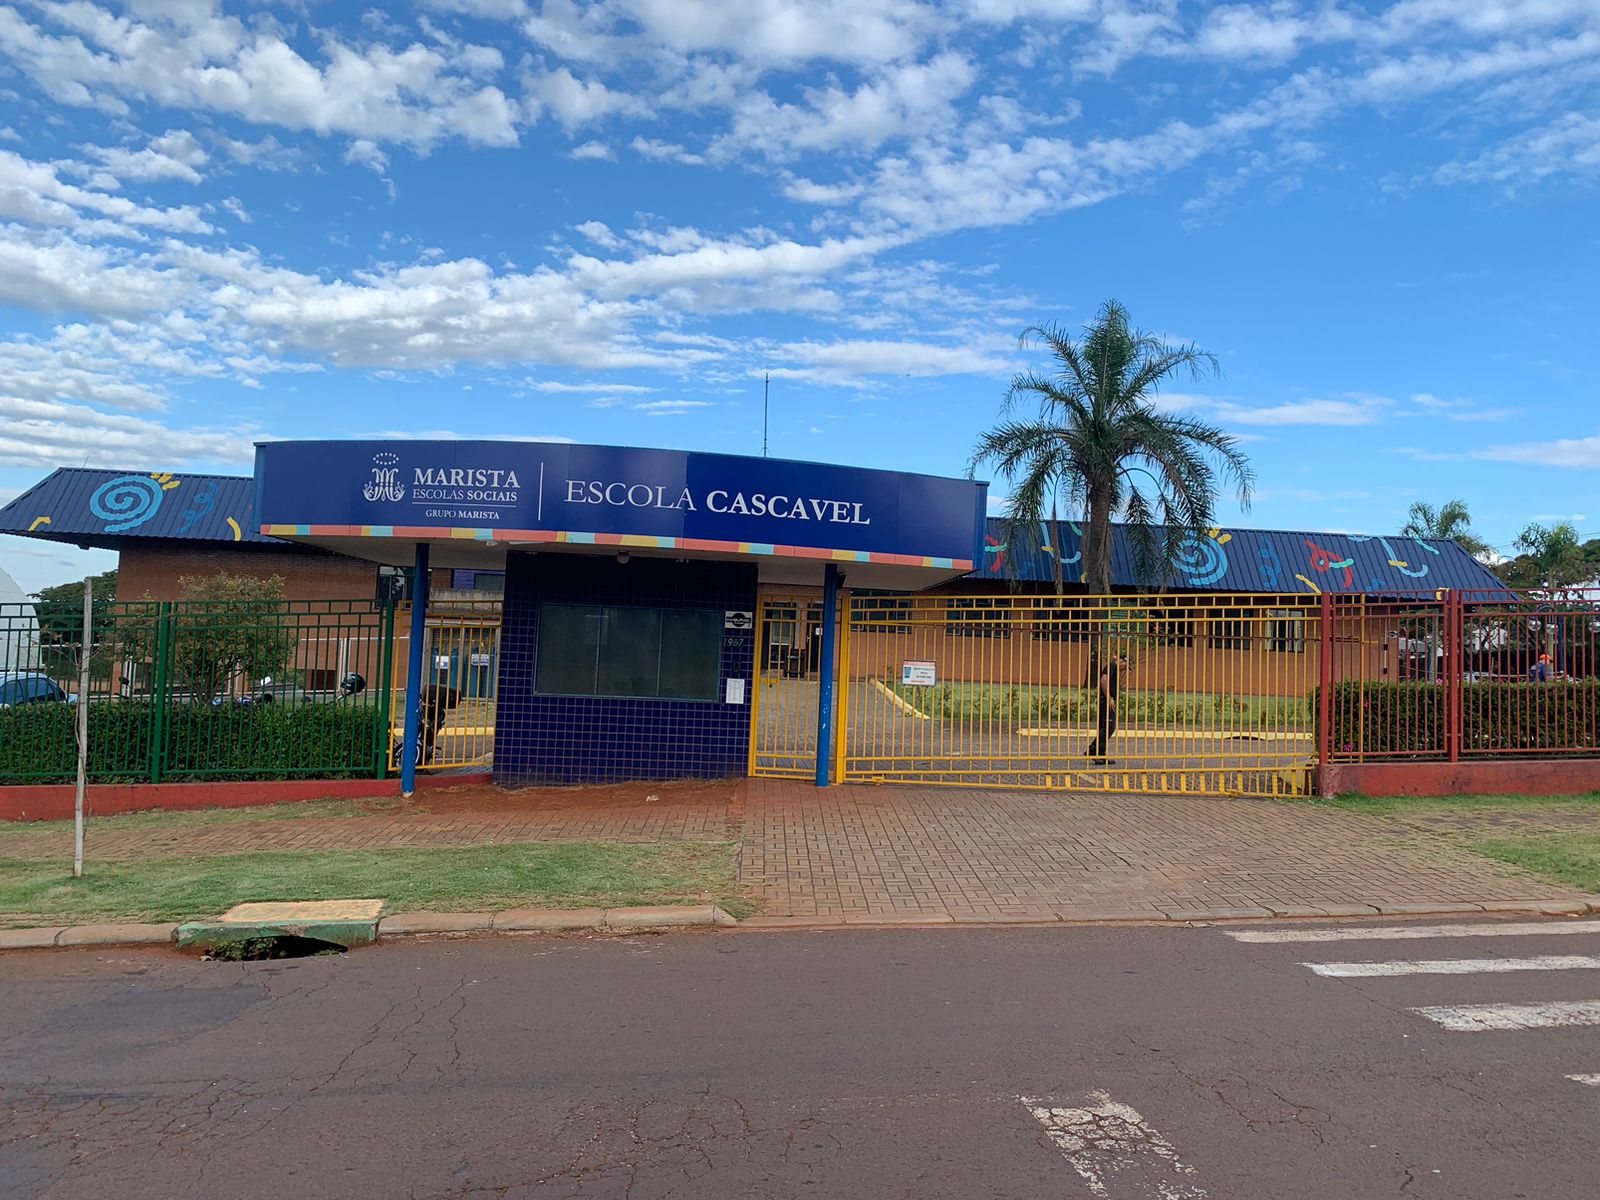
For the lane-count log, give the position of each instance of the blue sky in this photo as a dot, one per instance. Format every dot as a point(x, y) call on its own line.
point(604, 222)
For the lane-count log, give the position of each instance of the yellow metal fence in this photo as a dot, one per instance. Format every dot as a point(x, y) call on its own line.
point(461, 666)
point(1215, 696)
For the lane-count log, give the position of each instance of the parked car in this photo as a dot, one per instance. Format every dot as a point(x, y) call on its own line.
point(29, 687)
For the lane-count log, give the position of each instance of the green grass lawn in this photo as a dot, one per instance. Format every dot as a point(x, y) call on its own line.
point(1569, 858)
point(1386, 805)
point(476, 878)
point(959, 701)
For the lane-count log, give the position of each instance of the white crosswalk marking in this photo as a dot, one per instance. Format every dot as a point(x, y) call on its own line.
point(1591, 1080)
point(1455, 966)
point(1479, 1018)
point(1378, 933)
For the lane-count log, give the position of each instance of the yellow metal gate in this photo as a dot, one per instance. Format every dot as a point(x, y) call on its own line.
point(460, 672)
point(1003, 690)
point(783, 709)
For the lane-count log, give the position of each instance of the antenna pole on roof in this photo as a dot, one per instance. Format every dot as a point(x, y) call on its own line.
point(766, 408)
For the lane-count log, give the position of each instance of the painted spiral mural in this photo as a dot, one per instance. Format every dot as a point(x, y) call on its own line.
point(126, 502)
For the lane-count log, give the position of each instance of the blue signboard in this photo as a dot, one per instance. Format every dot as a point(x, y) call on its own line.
point(516, 492)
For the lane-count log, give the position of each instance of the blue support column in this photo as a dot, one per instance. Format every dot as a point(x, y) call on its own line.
point(825, 672)
point(419, 635)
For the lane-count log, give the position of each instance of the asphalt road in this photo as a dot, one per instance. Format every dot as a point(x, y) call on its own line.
point(1119, 1063)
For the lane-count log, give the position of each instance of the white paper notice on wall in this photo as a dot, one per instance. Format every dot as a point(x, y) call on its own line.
point(919, 673)
point(441, 662)
point(735, 693)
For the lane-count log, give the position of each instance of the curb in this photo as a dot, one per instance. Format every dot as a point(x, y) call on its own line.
point(1170, 917)
point(514, 921)
point(648, 919)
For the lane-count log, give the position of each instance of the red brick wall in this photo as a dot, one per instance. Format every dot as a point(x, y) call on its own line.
point(155, 569)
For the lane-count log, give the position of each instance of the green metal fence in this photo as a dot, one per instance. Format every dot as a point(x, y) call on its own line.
point(198, 690)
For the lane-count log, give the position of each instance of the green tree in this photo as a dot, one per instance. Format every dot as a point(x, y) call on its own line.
point(1450, 522)
point(1098, 445)
point(1549, 556)
point(225, 628)
point(60, 608)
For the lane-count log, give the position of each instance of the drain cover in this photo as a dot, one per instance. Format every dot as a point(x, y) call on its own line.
point(298, 912)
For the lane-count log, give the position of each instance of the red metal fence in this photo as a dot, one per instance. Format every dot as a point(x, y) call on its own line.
point(1459, 675)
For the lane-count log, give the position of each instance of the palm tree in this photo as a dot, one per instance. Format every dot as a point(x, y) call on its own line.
point(1100, 447)
point(1450, 522)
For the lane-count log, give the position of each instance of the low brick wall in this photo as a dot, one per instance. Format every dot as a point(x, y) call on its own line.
point(1537, 777)
point(53, 802)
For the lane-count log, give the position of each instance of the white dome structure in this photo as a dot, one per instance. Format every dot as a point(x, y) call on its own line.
point(19, 627)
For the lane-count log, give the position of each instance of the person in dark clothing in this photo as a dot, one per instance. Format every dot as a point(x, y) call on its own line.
point(1109, 687)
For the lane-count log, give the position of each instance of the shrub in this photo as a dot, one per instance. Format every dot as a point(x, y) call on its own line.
point(38, 742)
point(1409, 717)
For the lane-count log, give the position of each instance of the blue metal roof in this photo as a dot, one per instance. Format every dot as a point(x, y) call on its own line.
point(105, 508)
point(1249, 560)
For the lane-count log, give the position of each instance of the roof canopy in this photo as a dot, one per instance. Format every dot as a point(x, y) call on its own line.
point(1247, 560)
point(106, 508)
point(474, 500)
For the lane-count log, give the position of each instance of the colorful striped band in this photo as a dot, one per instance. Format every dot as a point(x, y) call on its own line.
point(640, 541)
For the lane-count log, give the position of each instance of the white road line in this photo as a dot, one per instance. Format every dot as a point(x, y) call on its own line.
point(1476, 1018)
point(1379, 933)
point(1456, 966)
point(1115, 1151)
point(1591, 1080)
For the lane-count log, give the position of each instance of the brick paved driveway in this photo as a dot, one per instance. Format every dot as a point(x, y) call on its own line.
point(859, 850)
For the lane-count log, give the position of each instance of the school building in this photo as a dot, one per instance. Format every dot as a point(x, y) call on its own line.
point(639, 613)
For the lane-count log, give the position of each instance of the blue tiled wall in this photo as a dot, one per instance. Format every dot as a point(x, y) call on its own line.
point(593, 739)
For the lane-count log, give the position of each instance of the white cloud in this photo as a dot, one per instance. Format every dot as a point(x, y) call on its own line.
point(905, 99)
point(1579, 453)
point(1568, 145)
point(853, 359)
point(576, 102)
point(783, 31)
point(1359, 411)
point(593, 152)
point(600, 234)
point(190, 57)
point(669, 408)
point(365, 153)
point(584, 389)
point(35, 192)
point(45, 433)
point(656, 150)
point(176, 154)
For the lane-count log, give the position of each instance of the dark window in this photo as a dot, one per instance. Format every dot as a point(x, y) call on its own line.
point(1056, 623)
point(880, 614)
point(979, 616)
point(10, 693)
point(1286, 633)
point(1171, 631)
point(1230, 631)
point(657, 653)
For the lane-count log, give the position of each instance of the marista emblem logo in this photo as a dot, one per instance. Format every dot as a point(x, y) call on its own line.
point(385, 484)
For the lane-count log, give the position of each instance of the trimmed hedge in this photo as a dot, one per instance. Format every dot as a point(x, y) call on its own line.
point(1510, 718)
point(38, 742)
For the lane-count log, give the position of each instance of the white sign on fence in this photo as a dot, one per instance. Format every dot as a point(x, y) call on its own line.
point(922, 674)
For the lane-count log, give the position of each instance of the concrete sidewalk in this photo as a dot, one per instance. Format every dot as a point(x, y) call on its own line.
point(902, 853)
